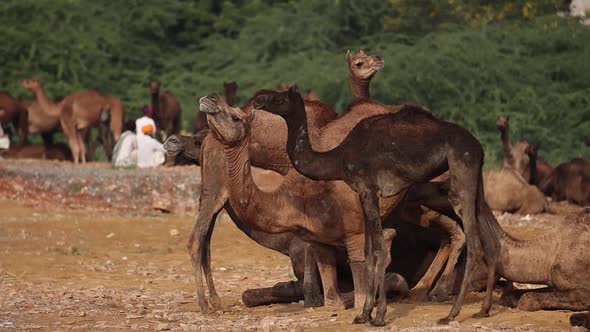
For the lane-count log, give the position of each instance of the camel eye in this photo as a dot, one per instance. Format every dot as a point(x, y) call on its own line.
point(359, 64)
point(235, 118)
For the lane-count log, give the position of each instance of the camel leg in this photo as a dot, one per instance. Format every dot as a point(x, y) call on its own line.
point(355, 247)
point(213, 296)
point(376, 273)
point(326, 262)
point(464, 188)
point(419, 291)
point(282, 292)
point(575, 300)
point(312, 294)
point(71, 135)
point(455, 246)
point(80, 135)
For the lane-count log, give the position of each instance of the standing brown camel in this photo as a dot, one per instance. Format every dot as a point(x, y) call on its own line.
point(515, 156)
point(167, 111)
point(569, 181)
point(361, 69)
point(39, 122)
point(558, 258)
point(229, 91)
point(383, 156)
point(14, 112)
point(78, 112)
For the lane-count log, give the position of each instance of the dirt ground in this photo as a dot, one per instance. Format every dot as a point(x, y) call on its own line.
point(72, 261)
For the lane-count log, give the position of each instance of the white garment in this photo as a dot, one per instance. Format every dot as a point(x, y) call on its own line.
point(150, 153)
point(4, 140)
point(125, 151)
point(143, 123)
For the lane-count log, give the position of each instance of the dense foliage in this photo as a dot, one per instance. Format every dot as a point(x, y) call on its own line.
point(469, 61)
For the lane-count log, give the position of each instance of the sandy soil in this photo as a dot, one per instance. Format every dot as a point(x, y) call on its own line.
point(91, 266)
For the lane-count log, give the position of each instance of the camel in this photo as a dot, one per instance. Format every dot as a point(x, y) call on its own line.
point(78, 112)
point(387, 170)
point(325, 214)
point(39, 122)
point(507, 190)
point(229, 91)
point(361, 69)
point(39, 151)
point(558, 258)
point(515, 156)
point(581, 319)
point(14, 112)
point(569, 181)
point(166, 111)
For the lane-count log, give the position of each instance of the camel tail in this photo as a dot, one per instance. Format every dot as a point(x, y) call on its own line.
point(489, 228)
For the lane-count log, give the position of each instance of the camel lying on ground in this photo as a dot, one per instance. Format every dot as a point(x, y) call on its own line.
point(507, 190)
point(558, 258)
point(38, 151)
point(78, 112)
point(382, 138)
point(569, 181)
point(167, 112)
point(14, 112)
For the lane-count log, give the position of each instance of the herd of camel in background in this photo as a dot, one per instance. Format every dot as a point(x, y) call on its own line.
point(426, 217)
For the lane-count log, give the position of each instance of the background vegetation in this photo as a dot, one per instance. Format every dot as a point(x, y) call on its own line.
point(469, 61)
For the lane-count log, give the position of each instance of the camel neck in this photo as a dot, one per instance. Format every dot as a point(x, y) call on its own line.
point(319, 166)
point(359, 88)
point(156, 102)
point(533, 177)
point(47, 105)
point(507, 148)
point(254, 207)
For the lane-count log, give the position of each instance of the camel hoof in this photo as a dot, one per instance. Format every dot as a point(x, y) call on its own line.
point(438, 296)
point(444, 321)
point(376, 322)
point(361, 319)
point(203, 306)
point(481, 314)
point(578, 320)
point(215, 302)
point(312, 301)
point(417, 295)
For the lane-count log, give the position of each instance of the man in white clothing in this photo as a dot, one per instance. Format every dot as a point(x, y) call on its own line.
point(4, 139)
point(150, 152)
point(125, 151)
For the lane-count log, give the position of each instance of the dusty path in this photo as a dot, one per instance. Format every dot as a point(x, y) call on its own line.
point(101, 268)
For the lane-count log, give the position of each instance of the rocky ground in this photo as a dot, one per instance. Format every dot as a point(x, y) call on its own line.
point(93, 248)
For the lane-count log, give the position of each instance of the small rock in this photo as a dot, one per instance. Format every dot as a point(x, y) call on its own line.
point(454, 323)
point(81, 314)
point(174, 232)
point(124, 258)
point(163, 327)
point(110, 235)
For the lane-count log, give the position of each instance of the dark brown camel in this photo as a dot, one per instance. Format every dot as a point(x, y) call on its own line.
point(581, 319)
point(569, 181)
point(14, 112)
point(515, 156)
point(309, 95)
point(167, 112)
point(399, 149)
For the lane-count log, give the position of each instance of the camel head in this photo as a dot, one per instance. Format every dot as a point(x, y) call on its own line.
point(279, 103)
point(503, 122)
point(31, 84)
point(175, 144)
point(531, 150)
point(363, 66)
point(285, 86)
point(154, 86)
point(230, 125)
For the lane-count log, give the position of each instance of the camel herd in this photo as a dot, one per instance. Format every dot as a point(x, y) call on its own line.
point(356, 185)
point(356, 188)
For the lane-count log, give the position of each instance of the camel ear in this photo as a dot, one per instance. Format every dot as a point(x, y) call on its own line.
point(292, 90)
point(361, 53)
point(348, 56)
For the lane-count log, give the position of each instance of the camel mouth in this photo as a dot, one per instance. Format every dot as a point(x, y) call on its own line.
point(378, 66)
point(208, 105)
point(172, 146)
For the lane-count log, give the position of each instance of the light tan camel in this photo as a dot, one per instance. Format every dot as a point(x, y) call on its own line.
point(558, 258)
point(78, 112)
